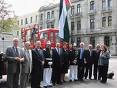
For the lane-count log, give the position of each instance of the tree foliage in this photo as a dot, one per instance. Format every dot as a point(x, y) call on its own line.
point(6, 21)
point(8, 24)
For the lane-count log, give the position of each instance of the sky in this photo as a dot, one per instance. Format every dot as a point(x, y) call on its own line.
point(22, 7)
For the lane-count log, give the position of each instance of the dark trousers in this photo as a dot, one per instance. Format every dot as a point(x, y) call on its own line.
point(103, 73)
point(36, 78)
point(13, 78)
point(1, 70)
point(88, 70)
point(95, 70)
point(56, 75)
point(80, 70)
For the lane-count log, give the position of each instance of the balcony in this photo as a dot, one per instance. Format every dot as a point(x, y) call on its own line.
point(78, 14)
point(72, 16)
point(92, 12)
point(107, 10)
point(50, 20)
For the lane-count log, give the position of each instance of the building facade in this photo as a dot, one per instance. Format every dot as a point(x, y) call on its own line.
point(90, 21)
point(49, 16)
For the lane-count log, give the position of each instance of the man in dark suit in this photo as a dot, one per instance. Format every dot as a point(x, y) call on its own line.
point(56, 57)
point(14, 56)
point(95, 61)
point(37, 65)
point(80, 61)
point(89, 56)
point(1, 64)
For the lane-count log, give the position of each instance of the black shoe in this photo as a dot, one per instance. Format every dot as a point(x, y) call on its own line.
point(60, 83)
point(45, 86)
point(90, 78)
point(102, 81)
point(54, 84)
point(0, 77)
point(49, 86)
point(70, 80)
point(75, 80)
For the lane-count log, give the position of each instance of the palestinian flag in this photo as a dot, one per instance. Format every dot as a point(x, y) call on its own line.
point(63, 21)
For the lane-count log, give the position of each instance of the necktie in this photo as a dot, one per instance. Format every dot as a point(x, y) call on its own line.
point(81, 52)
point(58, 50)
point(90, 52)
point(16, 51)
point(29, 58)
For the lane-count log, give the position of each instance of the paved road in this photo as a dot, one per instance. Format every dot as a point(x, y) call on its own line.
point(96, 84)
point(112, 83)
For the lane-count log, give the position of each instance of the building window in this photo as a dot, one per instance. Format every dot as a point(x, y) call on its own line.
point(48, 15)
point(92, 22)
point(21, 21)
point(18, 22)
point(52, 14)
point(30, 19)
point(72, 26)
point(17, 33)
point(107, 41)
point(92, 5)
point(36, 18)
point(103, 21)
point(110, 4)
point(78, 8)
point(41, 17)
point(48, 25)
point(78, 41)
point(92, 41)
point(26, 21)
point(109, 20)
point(72, 39)
point(78, 24)
point(52, 25)
point(103, 4)
point(72, 10)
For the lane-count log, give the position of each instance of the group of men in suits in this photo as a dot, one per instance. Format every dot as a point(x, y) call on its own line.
point(50, 65)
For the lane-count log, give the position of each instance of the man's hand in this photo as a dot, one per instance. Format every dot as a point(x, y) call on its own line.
point(17, 59)
point(42, 62)
point(21, 59)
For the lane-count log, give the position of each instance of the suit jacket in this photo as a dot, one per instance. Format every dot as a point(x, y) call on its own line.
point(80, 61)
point(89, 57)
point(72, 57)
point(56, 57)
point(37, 58)
point(48, 57)
point(27, 64)
point(96, 56)
point(65, 59)
point(11, 58)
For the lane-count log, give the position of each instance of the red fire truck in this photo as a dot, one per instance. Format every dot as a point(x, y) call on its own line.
point(43, 35)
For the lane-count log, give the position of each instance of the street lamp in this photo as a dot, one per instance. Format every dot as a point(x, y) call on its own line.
point(3, 43)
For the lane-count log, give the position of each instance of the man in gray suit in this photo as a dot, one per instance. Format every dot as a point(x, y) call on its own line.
point(26, 66)
point(14, 56)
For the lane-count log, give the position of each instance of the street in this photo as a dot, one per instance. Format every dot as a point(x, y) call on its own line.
point(111, 83)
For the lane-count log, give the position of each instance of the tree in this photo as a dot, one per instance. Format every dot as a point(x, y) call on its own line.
point(6, 21)
point(8, 24)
